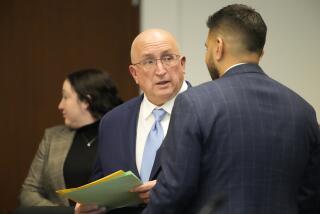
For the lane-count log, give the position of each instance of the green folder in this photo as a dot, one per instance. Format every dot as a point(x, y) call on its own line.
point(111, 191)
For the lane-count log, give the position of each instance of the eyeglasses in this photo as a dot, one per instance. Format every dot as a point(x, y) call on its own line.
point(167, 61)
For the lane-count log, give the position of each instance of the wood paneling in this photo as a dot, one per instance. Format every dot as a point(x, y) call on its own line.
point(40, 42)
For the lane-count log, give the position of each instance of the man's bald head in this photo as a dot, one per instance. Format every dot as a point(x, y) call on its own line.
point(151, 36)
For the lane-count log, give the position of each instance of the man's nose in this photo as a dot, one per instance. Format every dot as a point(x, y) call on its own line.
point(160, 68)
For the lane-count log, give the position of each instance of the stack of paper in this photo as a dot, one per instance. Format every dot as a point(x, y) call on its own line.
point(111, 191)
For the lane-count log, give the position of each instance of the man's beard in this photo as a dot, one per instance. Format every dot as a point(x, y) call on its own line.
point(213, 72)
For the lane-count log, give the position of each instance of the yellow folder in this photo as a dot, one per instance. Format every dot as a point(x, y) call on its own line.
point(111, 191)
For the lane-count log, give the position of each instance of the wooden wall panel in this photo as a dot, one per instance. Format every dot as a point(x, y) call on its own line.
point(40, 42)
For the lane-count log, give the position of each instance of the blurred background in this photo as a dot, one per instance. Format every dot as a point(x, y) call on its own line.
point(41, 41)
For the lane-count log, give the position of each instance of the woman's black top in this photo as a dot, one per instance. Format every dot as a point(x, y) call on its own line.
point(81, 157)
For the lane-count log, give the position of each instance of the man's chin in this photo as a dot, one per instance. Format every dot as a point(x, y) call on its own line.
point(164, 96)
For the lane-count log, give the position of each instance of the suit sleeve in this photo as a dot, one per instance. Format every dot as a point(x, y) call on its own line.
point(180, 161)
point(309, 193)
point(32, 192)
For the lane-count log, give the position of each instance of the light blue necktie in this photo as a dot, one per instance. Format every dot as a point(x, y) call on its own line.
point(153, 143)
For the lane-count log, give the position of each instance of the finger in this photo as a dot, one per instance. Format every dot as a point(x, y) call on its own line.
point(102, 210)
point(87, 208)
point(145, 187)
point(144, 195)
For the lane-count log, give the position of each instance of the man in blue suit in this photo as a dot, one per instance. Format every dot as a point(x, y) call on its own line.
point(158, 68)
point(243, 139)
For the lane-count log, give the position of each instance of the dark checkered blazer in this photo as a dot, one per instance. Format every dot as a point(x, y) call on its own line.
point(244, 138)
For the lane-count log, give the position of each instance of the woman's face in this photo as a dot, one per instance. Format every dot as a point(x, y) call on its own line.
point(73, 110)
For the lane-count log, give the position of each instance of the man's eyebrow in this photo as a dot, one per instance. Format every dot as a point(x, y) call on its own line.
point(146, 56)
point(166, 52)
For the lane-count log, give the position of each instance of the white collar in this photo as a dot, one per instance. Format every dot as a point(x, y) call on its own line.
point(167, 106)
point(233, 67)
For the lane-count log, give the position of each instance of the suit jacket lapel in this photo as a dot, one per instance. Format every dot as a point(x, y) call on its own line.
point(156, 166)
point(61, 150)
point(133, 114)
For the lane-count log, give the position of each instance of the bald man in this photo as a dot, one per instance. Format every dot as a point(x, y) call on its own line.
point(158, 68)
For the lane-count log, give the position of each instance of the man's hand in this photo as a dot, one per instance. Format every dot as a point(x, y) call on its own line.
point(144, 190)
point(89, 209)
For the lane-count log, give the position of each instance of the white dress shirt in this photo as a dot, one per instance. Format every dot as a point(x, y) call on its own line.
point(146, 120)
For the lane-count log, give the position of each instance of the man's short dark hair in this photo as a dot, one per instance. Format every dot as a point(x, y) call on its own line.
point(243, 21)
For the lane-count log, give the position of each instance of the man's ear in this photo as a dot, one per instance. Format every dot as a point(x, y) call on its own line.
point(219, 48)
point(133, 73)
point(183, 63)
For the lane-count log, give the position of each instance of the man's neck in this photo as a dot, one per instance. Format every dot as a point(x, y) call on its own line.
point(232, 61)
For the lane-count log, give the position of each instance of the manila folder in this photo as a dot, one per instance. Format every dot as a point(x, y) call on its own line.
point(111, 191)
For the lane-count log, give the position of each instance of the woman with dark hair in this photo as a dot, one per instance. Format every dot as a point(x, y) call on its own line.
point(67, 153)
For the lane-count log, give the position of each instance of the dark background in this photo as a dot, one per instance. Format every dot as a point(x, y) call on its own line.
point(41, 41)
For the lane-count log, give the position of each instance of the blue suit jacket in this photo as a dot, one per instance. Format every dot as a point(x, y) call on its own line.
point(244, 138)
point(117, 144)
point(117, 139)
